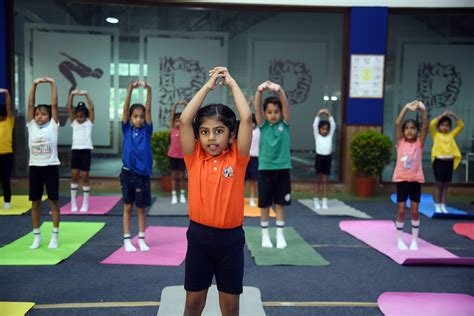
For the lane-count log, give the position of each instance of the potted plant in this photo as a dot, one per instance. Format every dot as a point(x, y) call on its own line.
point(370, 153)
point(160, 142)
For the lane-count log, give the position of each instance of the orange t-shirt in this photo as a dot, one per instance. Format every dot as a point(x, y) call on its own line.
point(216, 187)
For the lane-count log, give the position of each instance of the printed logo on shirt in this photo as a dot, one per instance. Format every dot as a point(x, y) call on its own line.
point(228, 172)
point(41, 147)
point(408, 160)
point(280, 127)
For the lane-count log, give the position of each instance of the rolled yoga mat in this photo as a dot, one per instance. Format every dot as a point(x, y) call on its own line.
point(20, 204)
point(173, 299)
point(15, 308)
point(98, 205)
point(335, 208)
point(464, 229)
point(254, 211)
point(427, 208)
point(163, 207)
point(381, 235)
point(72, 235)
point(167, 248)
point(422, 304)
point(297, 253)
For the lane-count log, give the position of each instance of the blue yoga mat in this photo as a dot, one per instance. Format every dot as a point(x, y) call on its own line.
point(427, 208)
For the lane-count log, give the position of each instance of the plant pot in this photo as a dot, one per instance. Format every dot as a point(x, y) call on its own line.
point(365, 187)
point(166, 183)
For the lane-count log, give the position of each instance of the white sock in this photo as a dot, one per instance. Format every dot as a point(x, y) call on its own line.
point(36, 239)
point(438, 208)
point(174, 199)
point(53, 243)
point(325, 203)
point(127, 242)
point(316, 203)
point(415, 227)
point(280, 236)
point(252, 201)
point(443, 208)
point(6, 205)
point(73, 197)
point(400, 244)
point(266, 241)
point(182, 197)
point(141, 242)
point(85, 199)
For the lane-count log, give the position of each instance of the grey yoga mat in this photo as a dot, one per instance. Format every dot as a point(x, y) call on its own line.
point(335, 208)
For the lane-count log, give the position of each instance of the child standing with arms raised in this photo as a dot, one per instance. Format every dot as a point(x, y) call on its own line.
point(43, 128)
point(445, 155)
point(216, 165)
point(82, 121)
point(323, 131)
point(175, 155)
point(137, 128)
point(7, 122)
point(274, 163)
point(408, 172)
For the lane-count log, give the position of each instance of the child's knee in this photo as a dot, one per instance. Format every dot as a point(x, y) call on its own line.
point(195, 303)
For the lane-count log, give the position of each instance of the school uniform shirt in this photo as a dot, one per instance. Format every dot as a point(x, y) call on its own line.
point(6, 135)
point(323, 143)
point(216, 187)
point(255, 142)
point(409, 162)
point(136, 149)
point(43, 143)
point(444, 144)
point(175, 150)
point(274, 146)
point(82, 135)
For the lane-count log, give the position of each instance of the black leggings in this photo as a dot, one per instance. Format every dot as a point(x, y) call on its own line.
point(6, 161)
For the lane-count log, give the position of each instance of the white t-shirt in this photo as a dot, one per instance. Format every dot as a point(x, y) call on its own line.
point(255, 142)
point(43, 143)
point(82, 135)
point(324, 143)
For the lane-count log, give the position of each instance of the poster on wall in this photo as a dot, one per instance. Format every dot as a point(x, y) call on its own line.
point(178, 68)
point(75, 61)
point(301, 69)
point(366, 79)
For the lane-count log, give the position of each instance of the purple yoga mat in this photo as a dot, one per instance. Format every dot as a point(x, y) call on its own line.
point(98, 205)
point(381, 235)
point(421, 304)
point(167, 248)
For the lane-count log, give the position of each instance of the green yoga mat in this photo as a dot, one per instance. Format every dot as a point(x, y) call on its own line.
point(297, 253)
point(72, 235)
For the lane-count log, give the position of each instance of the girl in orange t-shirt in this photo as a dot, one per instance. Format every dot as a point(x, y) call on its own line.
point(216, 163)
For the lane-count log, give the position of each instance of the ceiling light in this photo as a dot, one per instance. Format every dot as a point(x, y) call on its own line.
point(333, 98)
point(112, 20)
point(326, 98)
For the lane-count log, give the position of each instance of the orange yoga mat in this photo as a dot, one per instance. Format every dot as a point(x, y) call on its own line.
point(254, 211)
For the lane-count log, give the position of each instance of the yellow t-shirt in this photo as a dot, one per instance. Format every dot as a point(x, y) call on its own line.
point(6, 135)
point(444, 144)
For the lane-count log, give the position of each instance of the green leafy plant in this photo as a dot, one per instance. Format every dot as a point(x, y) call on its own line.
point(370, 152)
point(160, 142)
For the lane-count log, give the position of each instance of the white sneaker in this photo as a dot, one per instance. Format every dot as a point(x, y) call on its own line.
point(252, 202)
point(7, 205)
point(174, 199)
point(280, 237)
point(414, 245)
point(437, 208)
point(182, 199)
point(325, 204)
point(443, 208)
point(129, 246)
point(401, 245)
point(316, 204)
point(266, 242)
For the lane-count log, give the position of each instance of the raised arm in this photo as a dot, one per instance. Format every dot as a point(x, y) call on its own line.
point(126, 104)
point(285, 108)
point(91, 106)
point(459, 124)
point(54, 99)
point(398, 121)
point(173, 111)
point(259, 117)
point(32, 98)
point(186, 131)
point(424, 126)
point(148, 118)
point(70, 98)
point(8, 102)
point(332, 123)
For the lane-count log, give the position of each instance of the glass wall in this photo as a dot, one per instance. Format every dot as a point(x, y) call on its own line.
point(172, 48)
point(430, 58)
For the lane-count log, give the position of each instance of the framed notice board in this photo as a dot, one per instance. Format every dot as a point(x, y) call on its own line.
point(366, 79)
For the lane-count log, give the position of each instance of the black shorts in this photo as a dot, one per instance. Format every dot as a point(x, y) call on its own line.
point(177, 164)
point(322, 164)
point(81, 159)
point(408, 189)
point(443, 169)
point(274, 186)
point(251, 173)
point(135, 188)
point(213, 251)
point(41, 176)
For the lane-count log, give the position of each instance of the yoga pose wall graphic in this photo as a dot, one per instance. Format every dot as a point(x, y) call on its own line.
point(278, 69)
point(71, 65)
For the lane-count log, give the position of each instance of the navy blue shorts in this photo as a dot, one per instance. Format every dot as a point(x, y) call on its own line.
point(214, 251)
point(81, 159)
point(44, 176)
point(274, 186)
point(322, 164)
point(252, 169)
point(443, 169)
point(135, 188)
point(407, 190)
point(177, 164)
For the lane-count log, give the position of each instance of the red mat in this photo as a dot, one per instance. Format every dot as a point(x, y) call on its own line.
point(98, 205)
point(464, 229)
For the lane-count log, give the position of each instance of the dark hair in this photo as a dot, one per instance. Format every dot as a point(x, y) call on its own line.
point(47, 107)
point(254, 119)
point(323, 123)
point(220, 112)
point(444, 119)
point(274, 100)
point(415, 122)
point(81, 107)
point(136, 106)
point(176, 115)
point(236, 130)
point(3, 110)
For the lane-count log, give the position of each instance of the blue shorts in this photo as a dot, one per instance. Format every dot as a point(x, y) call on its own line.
point(214, 251)
point(135, 188)
point(252, 169)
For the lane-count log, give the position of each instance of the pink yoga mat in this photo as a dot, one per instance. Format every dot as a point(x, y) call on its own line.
point(422, 304)
point(464, 229)
point(98, 205)
point(167, 248)
point(381, 235)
